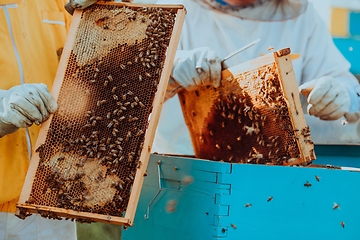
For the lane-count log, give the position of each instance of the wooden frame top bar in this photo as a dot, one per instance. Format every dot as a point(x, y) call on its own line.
point(136, 5)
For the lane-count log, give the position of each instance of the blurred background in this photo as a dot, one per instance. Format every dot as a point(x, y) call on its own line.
point(343, 20)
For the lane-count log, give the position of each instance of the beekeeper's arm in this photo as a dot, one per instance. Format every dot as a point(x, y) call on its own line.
point(330, 88)
point(193, 68)
point(23, 105)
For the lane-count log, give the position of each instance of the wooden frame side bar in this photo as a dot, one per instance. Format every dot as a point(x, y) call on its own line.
point(291, 92)
point(155, 115)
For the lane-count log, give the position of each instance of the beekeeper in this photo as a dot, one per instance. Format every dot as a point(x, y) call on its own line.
point(32, 37)
point(215, 28)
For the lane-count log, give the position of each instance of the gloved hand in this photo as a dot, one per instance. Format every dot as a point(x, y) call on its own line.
point(78, 4)
point(23, 105)
point(81, 4)
point(197, 67)
point(328, 99)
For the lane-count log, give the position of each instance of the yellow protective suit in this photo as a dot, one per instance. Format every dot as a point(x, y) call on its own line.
point(32, 35)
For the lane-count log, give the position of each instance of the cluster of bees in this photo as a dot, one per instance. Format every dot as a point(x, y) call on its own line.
point(252, 124)
point(122, 87)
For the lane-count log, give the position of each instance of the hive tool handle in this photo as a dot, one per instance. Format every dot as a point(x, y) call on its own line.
point(146, 216)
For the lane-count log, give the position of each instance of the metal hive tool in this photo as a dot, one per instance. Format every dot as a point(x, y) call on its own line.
point(92, 154)
point(255, 116)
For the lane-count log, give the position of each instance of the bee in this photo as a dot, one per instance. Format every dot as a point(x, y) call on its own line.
point(223, 124)
point(336, 206)
point(248, 205)
point(201, 138)
point(140, 132)
point(140, 78)
point(229, 147)
point(269, 199)
point(122, 66)
point(342, 224)
point(110, 78)
point(307, 184)
point(239, 120)
point(317, 178)
point(217, 146)
point(148, 74)
point(128, 136)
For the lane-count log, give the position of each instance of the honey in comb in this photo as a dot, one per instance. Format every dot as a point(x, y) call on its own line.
point(92, 148)
point(247, 120)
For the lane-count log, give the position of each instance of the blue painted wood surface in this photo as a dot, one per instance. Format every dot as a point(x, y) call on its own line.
point(207, 208)
point(350, 48)
point(354, 23)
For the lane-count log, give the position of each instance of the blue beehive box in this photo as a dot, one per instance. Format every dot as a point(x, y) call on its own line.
point(216, 205)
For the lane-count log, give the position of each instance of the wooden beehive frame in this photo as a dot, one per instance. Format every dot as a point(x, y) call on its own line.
point(289, 88)
point(286, 73)
point(291, 92)
point(127, 220)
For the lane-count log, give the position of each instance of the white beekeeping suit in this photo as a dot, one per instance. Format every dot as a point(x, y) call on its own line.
point(224, 30)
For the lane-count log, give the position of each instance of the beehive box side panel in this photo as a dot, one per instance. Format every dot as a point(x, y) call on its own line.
point(25, 193)
point(157, 105)
point(291, 91)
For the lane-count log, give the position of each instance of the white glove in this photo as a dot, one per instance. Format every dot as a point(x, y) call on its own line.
point(23, 105)
point(197, 67)
point(328, 99)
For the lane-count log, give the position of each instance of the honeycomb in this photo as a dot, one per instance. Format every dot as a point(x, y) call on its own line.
point(93, 144)
point(245, 120)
